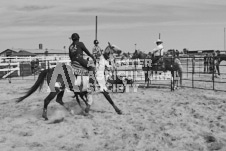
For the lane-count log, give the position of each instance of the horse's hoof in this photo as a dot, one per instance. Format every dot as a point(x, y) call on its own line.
point(45, 118)
point(119, 112)
point(86, 114)
point(87, 108)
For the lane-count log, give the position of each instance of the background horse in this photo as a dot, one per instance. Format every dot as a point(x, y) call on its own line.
point(170, 64)
point(62, 81)
point(219, 58)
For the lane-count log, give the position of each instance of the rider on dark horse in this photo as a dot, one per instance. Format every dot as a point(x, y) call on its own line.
point(157, 54)
point(76, 50)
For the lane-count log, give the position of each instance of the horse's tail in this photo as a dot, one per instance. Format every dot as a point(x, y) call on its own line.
point(38, 84)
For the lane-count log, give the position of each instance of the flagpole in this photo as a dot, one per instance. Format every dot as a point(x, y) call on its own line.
point(224, 39)
point(96, 30)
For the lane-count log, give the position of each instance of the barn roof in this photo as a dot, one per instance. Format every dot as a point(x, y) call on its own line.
point(50, 51)
point(39, 51)
point(8, 50)
point(23, 53)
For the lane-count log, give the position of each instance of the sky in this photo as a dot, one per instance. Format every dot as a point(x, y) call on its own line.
point(191, 24)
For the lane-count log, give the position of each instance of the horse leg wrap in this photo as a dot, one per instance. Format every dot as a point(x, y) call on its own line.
point(90, 98)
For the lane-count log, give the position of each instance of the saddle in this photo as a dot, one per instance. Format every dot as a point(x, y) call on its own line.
point(158, 64)
point(78, 70)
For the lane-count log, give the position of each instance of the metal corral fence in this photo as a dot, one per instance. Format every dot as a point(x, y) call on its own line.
point(201, 74)
point(196, 73)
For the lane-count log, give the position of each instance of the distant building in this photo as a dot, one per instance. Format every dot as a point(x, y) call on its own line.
point(7, 53)
point(195, 52)
point(23, 53)
point(34, 52)
point(48, 52)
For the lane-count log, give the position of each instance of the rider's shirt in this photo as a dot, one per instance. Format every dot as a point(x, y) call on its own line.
point(100, 72)
point(158, 51)
point(76, 50)
point(96, 50)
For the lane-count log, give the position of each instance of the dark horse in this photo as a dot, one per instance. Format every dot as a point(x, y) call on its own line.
point(219, 58)
point(63, 79)
point(171, 64)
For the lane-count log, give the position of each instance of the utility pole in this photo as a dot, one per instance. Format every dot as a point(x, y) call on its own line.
point(135, 46)
point(224, 39)
point(96, 29)
point(159, 36)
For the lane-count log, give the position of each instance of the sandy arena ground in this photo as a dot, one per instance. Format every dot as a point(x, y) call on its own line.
point(154, 119)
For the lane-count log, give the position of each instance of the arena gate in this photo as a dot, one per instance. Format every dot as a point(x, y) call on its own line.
point(197, 74)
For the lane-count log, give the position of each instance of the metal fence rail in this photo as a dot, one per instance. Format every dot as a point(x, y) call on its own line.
point(194, 75)
point(202, 75)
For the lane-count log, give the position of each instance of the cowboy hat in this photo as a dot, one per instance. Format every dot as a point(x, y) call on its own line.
point(159, 40)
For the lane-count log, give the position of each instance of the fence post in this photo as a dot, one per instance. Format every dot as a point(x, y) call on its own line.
point(136, 69)
point(134, 61)
point(187, 67)
point(213, 63)
point(193, 71)
point(199, 65)
point(147, 75)
point(18, 65)
point(22, 68)
point(9, 70)
point(172, 75)
point(48, 64)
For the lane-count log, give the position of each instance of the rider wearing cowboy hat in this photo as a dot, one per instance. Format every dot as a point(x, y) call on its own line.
point(157, 51)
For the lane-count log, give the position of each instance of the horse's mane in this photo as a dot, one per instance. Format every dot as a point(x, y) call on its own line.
point(139, 54)
point(106, 49)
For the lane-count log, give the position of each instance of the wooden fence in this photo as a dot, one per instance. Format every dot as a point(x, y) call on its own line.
point(7, 69)
point(21, 66)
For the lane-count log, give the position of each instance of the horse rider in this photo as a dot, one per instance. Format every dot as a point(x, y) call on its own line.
point(96, 49)
point(158, 51)
point(76, 50)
